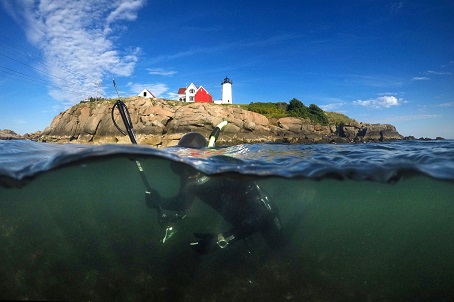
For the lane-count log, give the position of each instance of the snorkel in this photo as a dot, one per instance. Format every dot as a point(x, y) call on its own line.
point(215, 134)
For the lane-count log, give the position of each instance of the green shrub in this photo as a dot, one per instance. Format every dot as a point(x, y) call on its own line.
point(268, 109)
point(335, 118)
point(295, 108)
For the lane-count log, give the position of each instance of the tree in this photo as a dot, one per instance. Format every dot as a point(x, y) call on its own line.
point(317, 115)
point(297, 109)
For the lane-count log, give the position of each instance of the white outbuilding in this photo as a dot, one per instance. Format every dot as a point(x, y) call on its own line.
point(146, 94)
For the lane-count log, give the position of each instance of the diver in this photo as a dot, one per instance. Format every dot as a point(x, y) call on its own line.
point(241, 203)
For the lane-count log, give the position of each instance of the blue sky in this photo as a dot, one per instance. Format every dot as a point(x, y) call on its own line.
point(375, 61)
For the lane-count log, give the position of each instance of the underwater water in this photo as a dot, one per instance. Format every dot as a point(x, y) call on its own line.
point(365, 222)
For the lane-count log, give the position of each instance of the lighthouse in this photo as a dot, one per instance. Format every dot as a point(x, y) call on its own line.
point(226, 91)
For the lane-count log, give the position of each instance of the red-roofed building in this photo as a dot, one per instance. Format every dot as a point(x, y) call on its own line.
point(194, 94)
point(202, 96)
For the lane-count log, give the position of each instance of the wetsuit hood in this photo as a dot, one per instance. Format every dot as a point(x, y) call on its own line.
point(193, 140)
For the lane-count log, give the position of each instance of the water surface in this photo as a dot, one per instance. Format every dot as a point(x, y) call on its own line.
point(364, 222)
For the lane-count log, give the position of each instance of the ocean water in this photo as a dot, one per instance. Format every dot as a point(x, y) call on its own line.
point(363, 222)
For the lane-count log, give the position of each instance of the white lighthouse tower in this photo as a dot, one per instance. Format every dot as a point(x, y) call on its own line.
point(226, 91)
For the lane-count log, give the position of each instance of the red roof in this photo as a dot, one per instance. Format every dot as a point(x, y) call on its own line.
point(181, 91)
point(150, 92)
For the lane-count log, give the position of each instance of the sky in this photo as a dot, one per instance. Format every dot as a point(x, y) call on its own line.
point(376, 61)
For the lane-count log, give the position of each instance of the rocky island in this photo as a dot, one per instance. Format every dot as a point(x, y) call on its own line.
point(162, 123)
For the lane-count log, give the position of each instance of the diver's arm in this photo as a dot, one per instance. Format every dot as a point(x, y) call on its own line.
point(180, 202)
point(246, 228)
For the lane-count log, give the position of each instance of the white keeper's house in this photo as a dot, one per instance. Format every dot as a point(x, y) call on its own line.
point(192, 93)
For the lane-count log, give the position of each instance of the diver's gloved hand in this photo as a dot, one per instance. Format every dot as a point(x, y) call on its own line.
point(205, 243)
point(152, 199)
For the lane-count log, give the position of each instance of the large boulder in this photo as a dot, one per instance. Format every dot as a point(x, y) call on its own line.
point(378, 133)
point(7, 134)
point(162, 123)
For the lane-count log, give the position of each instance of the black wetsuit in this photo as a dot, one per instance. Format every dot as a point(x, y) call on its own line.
point(241, 203)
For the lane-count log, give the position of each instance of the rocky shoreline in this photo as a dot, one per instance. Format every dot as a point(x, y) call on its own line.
point(161, 123)
point(7, 134)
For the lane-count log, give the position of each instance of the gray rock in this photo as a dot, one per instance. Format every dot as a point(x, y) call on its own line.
point(7, 134)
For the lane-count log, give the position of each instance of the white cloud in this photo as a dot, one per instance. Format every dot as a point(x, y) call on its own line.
point(75, 39)
point(126, 10)
point(331, 107)
point(380, 102)
point(420, 79)
point(158, 89)
point(438, 72)
point(172, 96)
point(160, 71)
point(449, 104)
point(396, 7)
